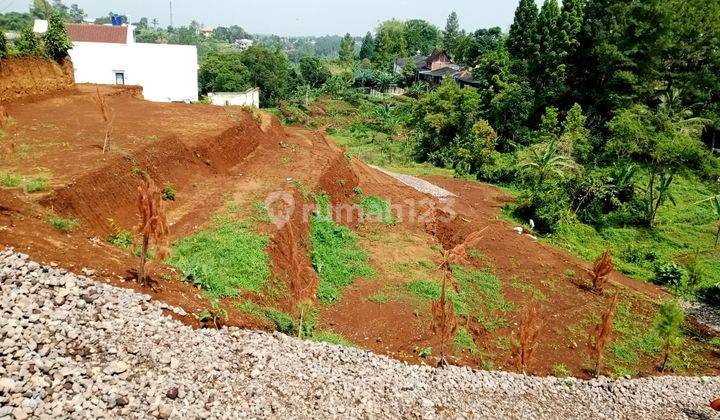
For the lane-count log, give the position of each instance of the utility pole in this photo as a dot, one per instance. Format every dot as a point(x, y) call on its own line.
point(171, 15)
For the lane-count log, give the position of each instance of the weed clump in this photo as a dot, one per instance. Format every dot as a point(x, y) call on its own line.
point(65, 226)
point(527, 336)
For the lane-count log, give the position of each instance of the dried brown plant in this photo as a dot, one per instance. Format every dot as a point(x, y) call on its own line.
point(601, 271)
point(108, 117)
point(603, 334)
point(153, 227)
point(527, 337)
point(443, 310)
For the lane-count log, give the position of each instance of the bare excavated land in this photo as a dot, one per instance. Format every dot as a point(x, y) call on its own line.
point(213, 156)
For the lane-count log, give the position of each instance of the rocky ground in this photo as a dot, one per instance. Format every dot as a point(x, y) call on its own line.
point(73, 347)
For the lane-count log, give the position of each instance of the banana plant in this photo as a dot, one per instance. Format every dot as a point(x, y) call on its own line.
point(715, 204)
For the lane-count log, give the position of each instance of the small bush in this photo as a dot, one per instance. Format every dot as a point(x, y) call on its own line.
point(284, 323)
point(64, 225)
point(669, 274)
point(561, 371)
point(9, 180)
point(168, 192)
point(38, 184)
point(669, 323)
point(464, 341)
point(122, 239)
point(546, 207)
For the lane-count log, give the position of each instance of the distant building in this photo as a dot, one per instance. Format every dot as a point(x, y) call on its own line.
point(206, 31)
point(244, 43)
point(434, 68)
point(247, 98)
point(108, 54)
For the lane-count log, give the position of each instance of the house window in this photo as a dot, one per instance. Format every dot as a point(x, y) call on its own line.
point(119, 77)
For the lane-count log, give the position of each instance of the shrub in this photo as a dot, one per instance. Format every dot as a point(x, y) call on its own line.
point(168, 192)
point(545, 206)
point(284, 323)
point(380, 209)
point(122, 239)
point(28, 43)
point(64, 225)
point(3, 45)
point(669, 323)
point(213, 316)
point(9, 180)
point(38, 184)
point(669, 274)
point(57, 41)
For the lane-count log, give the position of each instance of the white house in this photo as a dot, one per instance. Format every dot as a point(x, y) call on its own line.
point(107, 54)
point(247, 98)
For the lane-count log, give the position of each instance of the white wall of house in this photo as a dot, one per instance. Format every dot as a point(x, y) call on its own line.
point(167, 73)
point(248, 98)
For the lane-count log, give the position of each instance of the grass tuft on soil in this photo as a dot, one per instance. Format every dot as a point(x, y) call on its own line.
point(335, 254)
point(376, 210)
point(223, 259)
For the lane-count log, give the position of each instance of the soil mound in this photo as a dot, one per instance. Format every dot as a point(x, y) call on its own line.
point(26, 77)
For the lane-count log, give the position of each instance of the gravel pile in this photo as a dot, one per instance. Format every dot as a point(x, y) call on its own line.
point(418, 184)
point(705, 315)
point(72, 347)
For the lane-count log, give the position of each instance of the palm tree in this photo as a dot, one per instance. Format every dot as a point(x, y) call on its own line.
point(546, 160)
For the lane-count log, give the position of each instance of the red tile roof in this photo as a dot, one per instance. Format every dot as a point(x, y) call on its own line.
point(80, 32)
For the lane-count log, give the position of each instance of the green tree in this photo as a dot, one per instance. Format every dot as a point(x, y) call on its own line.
point(390, 43)
point(28, 43)
point(409, 73)
point(480, 43)
point(270, 71)
point(452, 34)
point(511, 108)
point(40, 9)
point(575, 139)
point(347, 49)
point(570, 25)
point(547, 68)
point(367, 50)
point(669, 323)
point(421, 37)
point(223, 72)
point(492, 73)
point(57, 41)
point(75, 14)
point(522, 38)
point(313, 71)
point(443, 115)
point(665, 141)
point(3, 45)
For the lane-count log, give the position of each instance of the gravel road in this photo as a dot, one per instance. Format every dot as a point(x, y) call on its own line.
point(75, 348)
point(417, 183)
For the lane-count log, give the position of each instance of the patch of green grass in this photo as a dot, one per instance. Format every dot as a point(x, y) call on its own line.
point(332, 338)
point(504, 343)
point(223, 259)
point(261, 213)
point(283, 322)
point(302, 189)
point(570, 273)
point(122, 239)
point(335, 254)
point(464, 341)
point(378, 298)
point(425, 352)
point(561, 371)
point(681, 231)
point(376, 209)
point(10, 180)
point(64, 225)
point(38, 184)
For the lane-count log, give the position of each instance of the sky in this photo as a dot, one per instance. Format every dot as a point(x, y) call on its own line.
point(300, 17)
